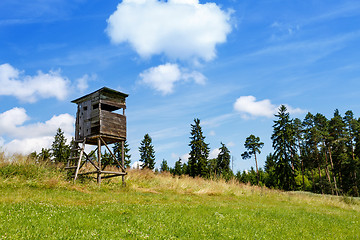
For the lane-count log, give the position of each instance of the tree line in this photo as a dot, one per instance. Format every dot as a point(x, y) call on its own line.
point(314, 154)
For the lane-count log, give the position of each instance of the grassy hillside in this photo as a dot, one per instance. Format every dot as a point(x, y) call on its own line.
point(37, 202)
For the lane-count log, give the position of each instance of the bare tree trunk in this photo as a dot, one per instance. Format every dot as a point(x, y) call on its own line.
point(302, 168)
point(354, 172)
point(320, 177)
point(327, 172)
point(257, 170)
point(313, 180)
point(332, 169)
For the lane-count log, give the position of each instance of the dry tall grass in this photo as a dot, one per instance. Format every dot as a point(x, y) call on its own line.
point(148, 181)
point(145, 180)
point(19, 170)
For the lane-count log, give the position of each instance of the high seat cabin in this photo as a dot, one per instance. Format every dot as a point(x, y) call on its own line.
point(100, 120)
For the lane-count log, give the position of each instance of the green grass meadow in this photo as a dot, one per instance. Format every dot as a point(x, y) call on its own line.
point(37, 202)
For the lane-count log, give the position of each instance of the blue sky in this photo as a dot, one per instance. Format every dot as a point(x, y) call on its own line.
point(228, 63)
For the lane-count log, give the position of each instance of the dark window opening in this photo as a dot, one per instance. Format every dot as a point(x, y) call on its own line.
point(95, 130)
point(108, 108)
point(85, 108)
point(95, 106)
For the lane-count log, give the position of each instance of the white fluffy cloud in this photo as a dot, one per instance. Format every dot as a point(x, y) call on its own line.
point(214, 153)
point(30, 88)
point(180, 29)
point(163, 77)
point(248, 106)
point(137, 165)
point(31, 137)
point(185, 157)
point(82, 83)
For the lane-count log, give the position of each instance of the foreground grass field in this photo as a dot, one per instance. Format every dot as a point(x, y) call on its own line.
point(38, 203)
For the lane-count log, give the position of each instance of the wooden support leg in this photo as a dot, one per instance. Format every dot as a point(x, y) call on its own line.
point(79, 161)
point(99, 162)
point(123, 161)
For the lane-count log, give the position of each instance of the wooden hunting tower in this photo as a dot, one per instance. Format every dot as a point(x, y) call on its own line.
point(98, 124)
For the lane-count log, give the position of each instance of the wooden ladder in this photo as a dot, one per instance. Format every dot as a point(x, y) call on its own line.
point(75, 155)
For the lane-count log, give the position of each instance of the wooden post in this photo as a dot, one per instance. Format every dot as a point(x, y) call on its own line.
point(99, 162)
point(123, 161)
point(79, 161)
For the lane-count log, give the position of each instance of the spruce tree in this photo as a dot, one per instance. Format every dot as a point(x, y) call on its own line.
point(223, 161)
point(59, 149)
point(178, 169)
point(271, 178)
point(283, 138)
point(147, 153)
point(164, 167)
point(44, 155)
point(199, 151)
point(212, 167)
point(253, 146)
point(117, 151)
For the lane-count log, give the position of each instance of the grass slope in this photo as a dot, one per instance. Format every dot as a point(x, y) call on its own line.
point(38, 203)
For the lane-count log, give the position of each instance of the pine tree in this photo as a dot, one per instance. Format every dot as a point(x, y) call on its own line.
point(284, 145)
point(253, 146)
point(147, 153)
point(223, 161)
point(199, 152)
point(299, 135)
point(117, 152)
point(337, 141)
point(322, 127)
point(59, 149)
point(351, 166)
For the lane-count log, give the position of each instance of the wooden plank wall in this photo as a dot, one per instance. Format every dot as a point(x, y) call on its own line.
point(112, 124)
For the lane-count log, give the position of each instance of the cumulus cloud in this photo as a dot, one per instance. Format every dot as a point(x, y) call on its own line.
point(82, 83)
point(32, 137)
point(249, 107)
point(214, 153)
point(230, 144)
point(163, 77)
point(137, 165)
point(185, 158)
point(28, 145)
point(30, 88)
point(180, 29)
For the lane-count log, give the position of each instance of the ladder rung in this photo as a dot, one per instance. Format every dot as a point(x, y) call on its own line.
point(76, 149)
point(72, 167)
